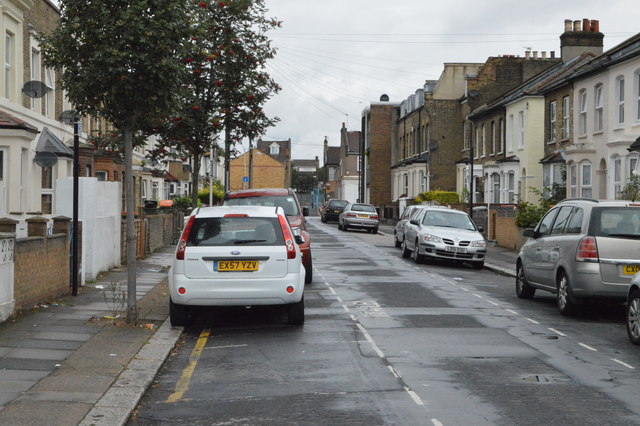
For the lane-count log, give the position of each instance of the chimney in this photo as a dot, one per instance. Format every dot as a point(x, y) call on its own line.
point(544, 54)
point(577, 41)
point(343, 125)
point(535, 54)
point(552, 54)
point(567, 25)
point(527, 54)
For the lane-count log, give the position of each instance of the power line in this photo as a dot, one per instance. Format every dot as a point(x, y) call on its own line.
point(434, 34)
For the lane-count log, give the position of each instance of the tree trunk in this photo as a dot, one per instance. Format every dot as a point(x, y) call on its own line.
point(132, 311)
point(195, 175)
point(227, 158)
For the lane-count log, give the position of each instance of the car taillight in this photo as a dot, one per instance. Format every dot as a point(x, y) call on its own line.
point(182, 244)
point(236, 215)
point(288, 238)
point(373, 217)
point(587, 250)
point(351, 215)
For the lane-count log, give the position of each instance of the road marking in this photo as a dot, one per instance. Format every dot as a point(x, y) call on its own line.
point(414, 396)
point(623, 363)
point(493, 303)
point(436, 422)
point(532, 320)
point(393, 371)
point(226, 346)
point(183, 384)
point(477, 295)
point(464, 289)
point(339, 299)
point(557, 332)
point(588, 347)
point(513, 312)
point(369, 339)
point(346, 309)
point(332, 291)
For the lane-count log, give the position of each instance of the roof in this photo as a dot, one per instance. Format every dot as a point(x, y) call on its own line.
point(48, 142)
point(353, 142)
point(257, 192)
point(628, 49)
point(635, 146)
point(7, 121)
point(284, 154)
point(333, 156)
point(304, 163)
point(254, 211)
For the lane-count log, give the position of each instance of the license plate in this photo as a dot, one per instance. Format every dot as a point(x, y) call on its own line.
point(455, 249)
point(363, 215)
point(336, 211)
point(235, 265)
point(631, 269)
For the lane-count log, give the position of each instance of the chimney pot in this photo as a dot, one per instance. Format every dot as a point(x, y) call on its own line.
point(595, 26)
point(576, 25)
point(552, 54)
point(535, 54)
point(544, 54)
point(586, 25)
point(567, 25)
point(527, 54)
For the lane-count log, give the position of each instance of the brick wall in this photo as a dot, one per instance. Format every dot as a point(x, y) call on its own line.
point(267, 172)
point(42, 269)
point(382, 128)
point(507, 234)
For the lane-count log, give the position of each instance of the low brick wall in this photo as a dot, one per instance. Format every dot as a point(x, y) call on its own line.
point(155, 232)
point(42, 269)
point(507, 233)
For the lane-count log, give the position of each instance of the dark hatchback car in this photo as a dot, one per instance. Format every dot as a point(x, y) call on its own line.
point(332, 210)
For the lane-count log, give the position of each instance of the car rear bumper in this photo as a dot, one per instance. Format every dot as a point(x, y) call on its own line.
point(587, 283)
point(235, 292)
point(361, 223)
point(331, 216)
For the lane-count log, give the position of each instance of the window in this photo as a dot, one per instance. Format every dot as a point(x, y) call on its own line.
point(154, 191)
point(477, 144)
point(274, 149)
point(598, 118)
point(49, 97)
point(575, 223)
point(638, 96)
point(583, 111)
point(521, 129)
point(544, 228)
point(46, 197)
point(405, 184)
point(573, 181)
point(552, 120)
point(501, 135)
point(35, 72)
point(88, 171)
point(561, 221)
point(565, 118)
point(465, 141)
point(617, 174)
point(423, 182)
point(511, 180)
point(427, 134)
point(511, 135)
point(101, 175)
point(143, 189)
point(586, 180)
point(632, 165)
point(484, 141)
point(8, 64)
point(493, 138)
point(620, 98)
point(496, 188)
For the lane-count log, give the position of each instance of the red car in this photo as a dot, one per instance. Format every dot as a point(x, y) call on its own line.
point(279, 197)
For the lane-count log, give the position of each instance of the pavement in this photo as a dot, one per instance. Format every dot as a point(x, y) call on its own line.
point(75, 360)
point(498, 259)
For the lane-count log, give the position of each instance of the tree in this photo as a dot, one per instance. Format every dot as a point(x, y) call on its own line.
point(226, 85)
point(118, 61)
point(303, 181)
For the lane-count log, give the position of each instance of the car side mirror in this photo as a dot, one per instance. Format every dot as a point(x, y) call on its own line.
point(529, 233)
point(414, 222)
point(480, 229)
point(299, 239)
point(305, 211)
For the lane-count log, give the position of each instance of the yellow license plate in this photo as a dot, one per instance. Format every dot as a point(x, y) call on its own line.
point(363, 215)
point(631, 269)
point(235, 265)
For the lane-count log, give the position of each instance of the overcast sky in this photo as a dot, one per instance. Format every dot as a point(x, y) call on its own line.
point(336, 56)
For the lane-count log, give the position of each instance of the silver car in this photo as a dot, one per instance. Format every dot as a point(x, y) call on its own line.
point(444, 233)
point(581, 249)
point(360, 216)
point(633, 310)
point(407, 214)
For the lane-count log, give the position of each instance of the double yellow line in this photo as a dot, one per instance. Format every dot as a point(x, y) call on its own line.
point(183, 384)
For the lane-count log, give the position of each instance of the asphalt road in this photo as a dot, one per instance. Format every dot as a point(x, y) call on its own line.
point(387, 341)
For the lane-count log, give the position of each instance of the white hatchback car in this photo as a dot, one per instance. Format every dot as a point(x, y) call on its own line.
point(237, 256)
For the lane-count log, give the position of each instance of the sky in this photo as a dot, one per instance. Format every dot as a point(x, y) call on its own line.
point(334, 57)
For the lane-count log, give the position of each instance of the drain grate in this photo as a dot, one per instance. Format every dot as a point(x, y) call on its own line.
point(545, 378)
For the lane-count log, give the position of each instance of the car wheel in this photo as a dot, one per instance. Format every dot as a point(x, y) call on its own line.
point(633, 317)
point(345, 227)
point(295, 312)
point(395, 240)
point(323, 219)
point(417, 257)
point(523, 289)
point(405, 251)
point(178, 314)
point(339, 226)
point(308, 277)
point(564, 298)
point(375, 231)
point(477, 265)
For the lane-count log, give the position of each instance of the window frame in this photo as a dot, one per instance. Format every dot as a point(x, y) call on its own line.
point(620, 99)
point(586, 179)
point(598, 117)
point(553, 119)
point(582, 108)
point(566, 115)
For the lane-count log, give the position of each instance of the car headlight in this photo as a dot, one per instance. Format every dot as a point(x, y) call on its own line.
point(479, 243)
point(296, 231)
point(431, 238)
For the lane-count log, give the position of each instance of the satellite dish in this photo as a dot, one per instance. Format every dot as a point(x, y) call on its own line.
point(384, 98)
point(35, 89)
point(45, 159)
point(69, 117)
point(473, 94)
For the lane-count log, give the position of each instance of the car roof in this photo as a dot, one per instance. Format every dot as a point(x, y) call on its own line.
point(257, 192)
point(444, 208)
point(251, 211)
point(599, 203)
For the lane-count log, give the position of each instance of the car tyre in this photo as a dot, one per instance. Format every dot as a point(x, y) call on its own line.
point(395, 240)
point(523, 288)
point(308, 277)
point(405, 251)
point(295, 313)
point(633, 317)
point(323, 219)
point(565, 302)
point(179, 315)
point(375, 231)
point(477, 265)
point(417, 257)
point(339, 226)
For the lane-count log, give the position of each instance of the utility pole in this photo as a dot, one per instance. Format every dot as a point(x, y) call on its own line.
point(250, 163)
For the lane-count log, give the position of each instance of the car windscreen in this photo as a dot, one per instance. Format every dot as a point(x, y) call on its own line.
point(287, 202)
point(337, 204)
point(233, 231)
point(615, 222)
point(363, 208)
point(448, 220)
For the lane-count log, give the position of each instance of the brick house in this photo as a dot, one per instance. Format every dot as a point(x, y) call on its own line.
point(347, 175)
point(267, 171)
point(281, 152)
point(331, 161)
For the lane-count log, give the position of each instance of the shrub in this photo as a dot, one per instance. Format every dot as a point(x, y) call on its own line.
point(528, 215)
point(203, 195)
point(182, 203)
point(441, 197)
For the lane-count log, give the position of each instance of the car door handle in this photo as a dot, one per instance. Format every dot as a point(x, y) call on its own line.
point(556, 248)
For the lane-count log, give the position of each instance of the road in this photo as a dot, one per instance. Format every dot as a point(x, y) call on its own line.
point(387, 341)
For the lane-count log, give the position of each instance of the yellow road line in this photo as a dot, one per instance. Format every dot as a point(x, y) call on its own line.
point(183, 384)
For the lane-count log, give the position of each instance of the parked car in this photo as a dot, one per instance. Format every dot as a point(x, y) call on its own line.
point(581, 249)
point(407, 214)
point(361, 216)
point(237, 256)
point(633, 310)
point(332, 210)
point(444, 234)
point(288, 200)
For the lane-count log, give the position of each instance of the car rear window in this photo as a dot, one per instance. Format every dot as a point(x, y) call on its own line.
point(363, 208)
point(615, 222)
point(230, 231)
point(337, 203)
point(287, 202)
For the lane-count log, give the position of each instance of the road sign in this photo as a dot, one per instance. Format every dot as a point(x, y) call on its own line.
point(245, 178)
